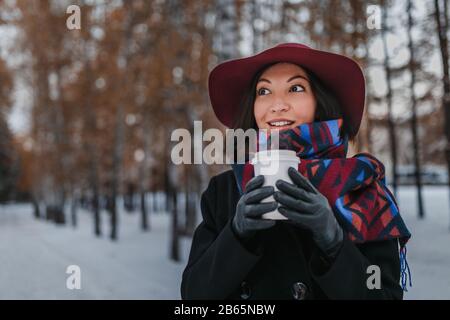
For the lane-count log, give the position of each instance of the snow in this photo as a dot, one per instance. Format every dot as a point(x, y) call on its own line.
point(428, 248)
point(35, 254)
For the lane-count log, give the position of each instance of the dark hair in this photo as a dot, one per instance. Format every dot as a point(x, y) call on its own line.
point(327, 105)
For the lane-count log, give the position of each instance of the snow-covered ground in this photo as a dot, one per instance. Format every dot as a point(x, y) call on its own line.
point(429, 247)
point(34, 255)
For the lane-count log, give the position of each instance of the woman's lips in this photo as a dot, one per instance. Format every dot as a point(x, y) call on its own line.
point(280, 124)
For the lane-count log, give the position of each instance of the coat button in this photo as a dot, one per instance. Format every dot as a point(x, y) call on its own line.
point(245, 291)
point(299, 291)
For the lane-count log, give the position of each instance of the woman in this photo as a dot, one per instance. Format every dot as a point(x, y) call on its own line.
point(342, 221)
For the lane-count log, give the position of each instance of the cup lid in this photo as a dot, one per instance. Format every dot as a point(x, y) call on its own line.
point(270, 155)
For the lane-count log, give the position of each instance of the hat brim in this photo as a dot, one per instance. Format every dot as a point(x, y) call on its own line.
point(229, 80)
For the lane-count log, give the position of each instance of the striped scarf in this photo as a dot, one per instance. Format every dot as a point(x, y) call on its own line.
point(355, 187)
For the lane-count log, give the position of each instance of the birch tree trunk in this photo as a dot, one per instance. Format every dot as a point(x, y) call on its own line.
point(415, 140)
point(390, 120)
point(91, 150)
point(442, 28)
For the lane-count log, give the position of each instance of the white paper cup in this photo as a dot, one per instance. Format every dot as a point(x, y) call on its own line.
point(274, 165)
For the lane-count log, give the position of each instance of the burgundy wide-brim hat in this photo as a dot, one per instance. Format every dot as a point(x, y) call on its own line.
point(229, 80)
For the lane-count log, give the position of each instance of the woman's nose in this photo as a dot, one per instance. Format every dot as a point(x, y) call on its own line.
point(278, 107)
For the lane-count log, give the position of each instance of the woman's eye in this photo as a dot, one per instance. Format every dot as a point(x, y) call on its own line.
point(299, 88)
point(262, 91)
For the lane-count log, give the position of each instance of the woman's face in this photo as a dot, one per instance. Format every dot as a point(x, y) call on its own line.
point(284, 98)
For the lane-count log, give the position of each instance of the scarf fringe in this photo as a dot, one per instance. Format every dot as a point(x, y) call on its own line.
point(404, 269)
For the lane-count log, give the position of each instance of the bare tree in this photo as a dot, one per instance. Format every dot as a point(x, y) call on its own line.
point(227, 36)
point(416, 143)
point(441, 17)
point(389, 96)
point(7, 156)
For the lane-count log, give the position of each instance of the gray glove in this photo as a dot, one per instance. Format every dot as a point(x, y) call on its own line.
point(307, 208)
point(249, 209)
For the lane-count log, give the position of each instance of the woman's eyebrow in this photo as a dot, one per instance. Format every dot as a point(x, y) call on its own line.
point(290, 79)
point(297, 76)
point(262, 79)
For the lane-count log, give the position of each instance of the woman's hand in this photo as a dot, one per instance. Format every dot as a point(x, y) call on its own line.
point(249, 209)
point(306, 207)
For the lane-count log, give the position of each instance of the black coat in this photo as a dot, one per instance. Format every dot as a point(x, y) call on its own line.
point(281, 263)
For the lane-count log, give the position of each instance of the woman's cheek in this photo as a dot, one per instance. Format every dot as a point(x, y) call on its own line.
point(306, 108)
point(259, 113)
